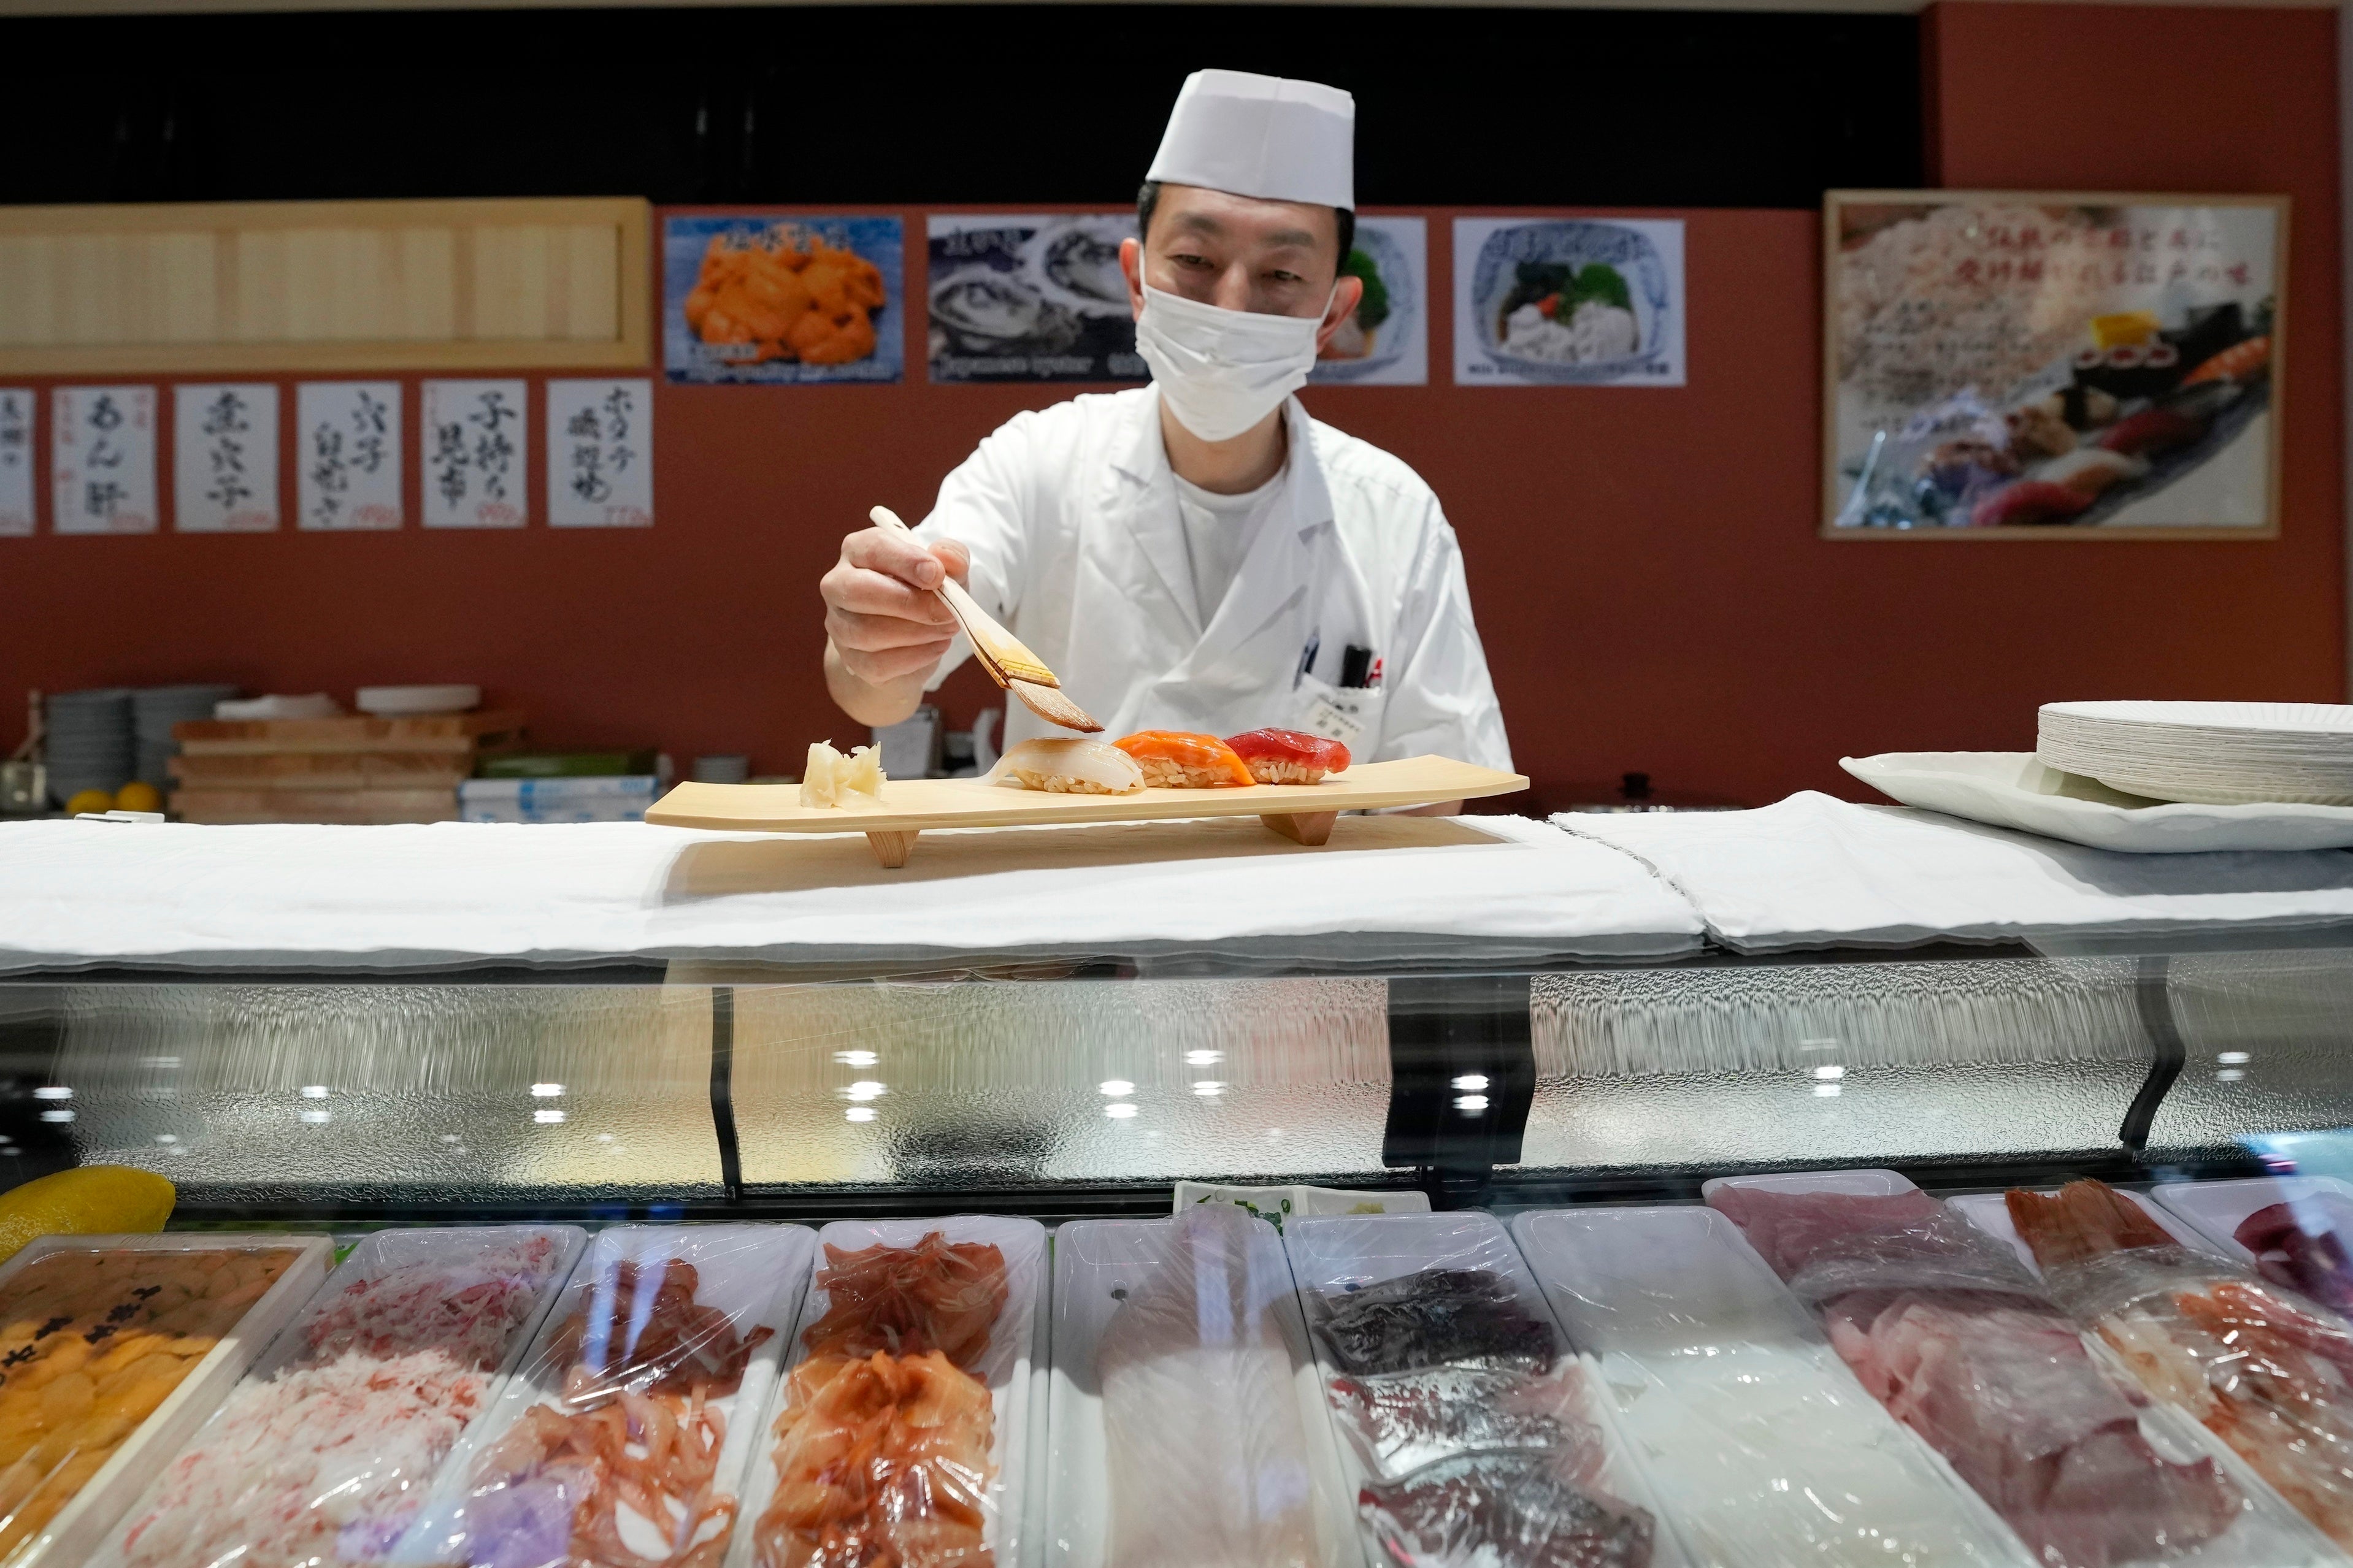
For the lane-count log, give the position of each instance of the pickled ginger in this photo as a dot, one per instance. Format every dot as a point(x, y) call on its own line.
point(830, 775)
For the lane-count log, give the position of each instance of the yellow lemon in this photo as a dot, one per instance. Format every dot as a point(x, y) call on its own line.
point(89, 800)
point(136, 797)
point(91, 1200)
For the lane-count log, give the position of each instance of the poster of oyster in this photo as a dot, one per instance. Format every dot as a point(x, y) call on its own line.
point(764, 298)
point(2097, 366)
point(1575, 302)
point(1029, 297)
point(1386, 342)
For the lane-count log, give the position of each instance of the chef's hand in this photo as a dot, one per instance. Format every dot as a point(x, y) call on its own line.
point(885, 629)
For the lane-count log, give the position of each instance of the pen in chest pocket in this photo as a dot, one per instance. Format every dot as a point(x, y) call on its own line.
point(1307, 657)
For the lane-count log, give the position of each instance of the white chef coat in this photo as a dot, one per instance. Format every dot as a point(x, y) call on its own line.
point(1070, 514)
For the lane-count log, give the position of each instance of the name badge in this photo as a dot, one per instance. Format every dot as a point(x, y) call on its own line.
point(1339, 716)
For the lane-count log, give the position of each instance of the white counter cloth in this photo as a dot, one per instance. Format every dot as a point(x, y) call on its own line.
point(1814, 871)
point(1388, 888)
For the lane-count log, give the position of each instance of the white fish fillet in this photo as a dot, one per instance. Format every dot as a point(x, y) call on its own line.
point(1207, 1458)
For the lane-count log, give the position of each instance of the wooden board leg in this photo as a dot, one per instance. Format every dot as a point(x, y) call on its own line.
point(1309, 828)
point(892, 848)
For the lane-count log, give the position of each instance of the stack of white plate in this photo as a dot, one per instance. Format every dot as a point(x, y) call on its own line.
point(2213, 754)
point(89, 740)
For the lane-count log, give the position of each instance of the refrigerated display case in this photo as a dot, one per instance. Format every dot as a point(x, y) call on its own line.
point(1561, 1122)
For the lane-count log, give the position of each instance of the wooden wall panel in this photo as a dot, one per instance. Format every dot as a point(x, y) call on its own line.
point(341, 286)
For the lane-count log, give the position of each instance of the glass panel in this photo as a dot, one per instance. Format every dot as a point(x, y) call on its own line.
point(2263, 1040)
point(984, 1084)
point(1708, 1069)
point(256, 1094)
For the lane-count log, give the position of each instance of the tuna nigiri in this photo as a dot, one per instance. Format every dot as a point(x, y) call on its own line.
point(1287, 756)
point(1174, 759)
point(1069, 766)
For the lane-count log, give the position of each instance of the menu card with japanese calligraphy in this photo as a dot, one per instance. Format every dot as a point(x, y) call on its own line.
point(2101, 365)
point(472, 448)
point(347, 455)
point(102, 458)
point(600, 454)
point(224, 459)
point(16, 461)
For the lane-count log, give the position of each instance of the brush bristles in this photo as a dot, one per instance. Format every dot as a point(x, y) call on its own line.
point(1048, 703)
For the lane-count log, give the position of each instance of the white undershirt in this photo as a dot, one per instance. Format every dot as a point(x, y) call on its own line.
point(1219, 532)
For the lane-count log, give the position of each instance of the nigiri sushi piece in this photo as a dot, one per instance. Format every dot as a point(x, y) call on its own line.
point(1067, 765)
point(1289, 756)
point(1175, 759)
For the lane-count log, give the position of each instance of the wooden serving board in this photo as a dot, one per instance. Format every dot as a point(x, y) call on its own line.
point(1300, 811)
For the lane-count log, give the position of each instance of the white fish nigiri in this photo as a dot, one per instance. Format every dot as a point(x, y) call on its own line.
point(1069, 766)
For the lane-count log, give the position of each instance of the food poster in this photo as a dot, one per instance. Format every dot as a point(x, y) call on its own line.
point(224, 457)
point(1029, 297)
point(1579, 301)
point(2021, 362)
point(471, 447)
point(761, 299)
point(16, 461)
point(1386, 342)
point(600, 454)
point(102, 458)
point(347, 455)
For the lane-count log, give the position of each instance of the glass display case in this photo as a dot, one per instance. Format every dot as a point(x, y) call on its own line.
point(1516, 1291)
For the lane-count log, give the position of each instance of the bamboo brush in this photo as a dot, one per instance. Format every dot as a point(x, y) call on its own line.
point(1009, 663)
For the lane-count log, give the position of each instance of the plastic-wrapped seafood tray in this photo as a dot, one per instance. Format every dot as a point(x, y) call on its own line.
point(1015, 1348)
point(1182, 1374)
point(2317, 1260)
point(694, 1316)
point(1469, 1430)
point(2263, 1533)
point(80, 1527)
point(410, 1341)
point(1766, 1450)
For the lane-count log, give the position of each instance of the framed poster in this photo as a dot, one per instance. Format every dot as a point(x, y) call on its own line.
point(1386, 342)
point(1569, 302)
point(2000, 364)
point(1035, 297)
point(762, 297)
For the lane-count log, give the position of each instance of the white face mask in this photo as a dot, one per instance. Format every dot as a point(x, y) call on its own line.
point(1220, 371)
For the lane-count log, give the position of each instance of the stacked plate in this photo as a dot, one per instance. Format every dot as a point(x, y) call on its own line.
point(153, 710)
point(2212, 753)
point(88, 743)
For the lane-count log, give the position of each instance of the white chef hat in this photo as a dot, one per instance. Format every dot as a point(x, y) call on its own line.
point(1262, 136)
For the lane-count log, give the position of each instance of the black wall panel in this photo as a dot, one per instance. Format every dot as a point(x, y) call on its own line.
point(950, 103)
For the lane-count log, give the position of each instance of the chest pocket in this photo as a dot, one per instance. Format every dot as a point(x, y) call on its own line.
point(1350, 715)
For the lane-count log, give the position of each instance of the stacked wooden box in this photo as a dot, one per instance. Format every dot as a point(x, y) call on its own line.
point(355, 770)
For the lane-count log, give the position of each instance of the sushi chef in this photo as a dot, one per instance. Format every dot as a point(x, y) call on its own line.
point(1199, 553)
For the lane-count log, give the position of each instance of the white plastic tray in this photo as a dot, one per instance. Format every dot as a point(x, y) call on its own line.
point(81, 1525)
point(1006, 1368)
point(756, 1274)
point(1330, 1254)
point(2214, 1209)
point(1094, 1258)
point(1724, 1383)
point(1989, 1212)
point(2270, 1531)
point(374, 1254)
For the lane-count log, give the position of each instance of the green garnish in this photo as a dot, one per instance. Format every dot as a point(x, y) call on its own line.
point(1374, 308)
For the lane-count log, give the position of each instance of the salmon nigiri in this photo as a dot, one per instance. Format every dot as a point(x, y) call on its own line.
point(1289, 756)
point(1174, 759)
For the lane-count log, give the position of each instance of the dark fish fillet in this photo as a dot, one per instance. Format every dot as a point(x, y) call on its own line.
point(1405, 1420)
point(1502, 1510)
point(1440, 1315)
point(2314, 1262)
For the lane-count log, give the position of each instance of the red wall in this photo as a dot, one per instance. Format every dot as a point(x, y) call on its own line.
point(1643, 562)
